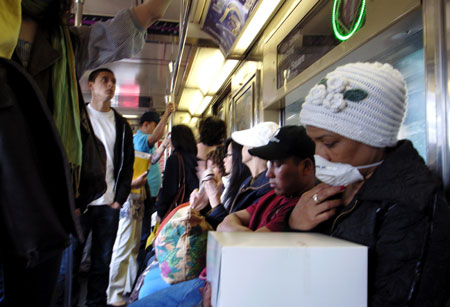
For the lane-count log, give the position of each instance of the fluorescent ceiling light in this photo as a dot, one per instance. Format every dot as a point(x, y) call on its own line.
point(188, 97)
point(203, 105)
point(260, 17)
point(186, 119)
point(223, 75)
point(291, 117)
point(194, 121)
point(206, 66)
point(130, 116)
point(208, 73)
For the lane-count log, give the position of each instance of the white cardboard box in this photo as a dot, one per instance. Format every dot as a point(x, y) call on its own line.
point(285, 269)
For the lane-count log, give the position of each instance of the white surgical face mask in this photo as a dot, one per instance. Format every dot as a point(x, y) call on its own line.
point(338, 174)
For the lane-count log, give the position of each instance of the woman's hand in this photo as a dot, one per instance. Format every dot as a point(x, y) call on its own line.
point(313, 207)
point(197, 200)
point(213, 190)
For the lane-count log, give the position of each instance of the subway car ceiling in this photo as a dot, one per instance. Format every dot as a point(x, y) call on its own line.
point(281, 49)
point(144, 80)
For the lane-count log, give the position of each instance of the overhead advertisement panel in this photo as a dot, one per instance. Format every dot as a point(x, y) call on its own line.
point(225, 20)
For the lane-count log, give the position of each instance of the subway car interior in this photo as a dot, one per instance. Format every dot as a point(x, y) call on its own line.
point(259, 67)
point(265, 77)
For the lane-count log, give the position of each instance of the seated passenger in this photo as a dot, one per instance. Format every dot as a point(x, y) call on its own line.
point(291, 172)
point(212, 133)
point(391, 202)
point(215, 171)
point(254, 186)
point(237, 172)
point(251, 189)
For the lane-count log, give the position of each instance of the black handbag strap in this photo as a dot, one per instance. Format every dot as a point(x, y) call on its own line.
point(181, 180)
point(181, 186)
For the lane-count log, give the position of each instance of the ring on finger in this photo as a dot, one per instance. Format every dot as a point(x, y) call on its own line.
point(316, 198)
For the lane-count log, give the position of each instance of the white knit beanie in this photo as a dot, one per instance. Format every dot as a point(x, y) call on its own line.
point(365, 102)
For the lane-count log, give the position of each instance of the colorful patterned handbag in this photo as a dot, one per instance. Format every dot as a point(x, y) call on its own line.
point(180, 246)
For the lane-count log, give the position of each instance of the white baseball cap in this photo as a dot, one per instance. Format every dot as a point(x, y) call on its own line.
point(257, 136)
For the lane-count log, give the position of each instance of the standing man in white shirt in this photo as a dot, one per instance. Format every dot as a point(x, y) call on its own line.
point(102, 215)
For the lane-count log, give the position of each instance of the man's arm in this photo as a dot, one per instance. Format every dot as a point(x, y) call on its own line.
point(117, 38)
point(150, 11)
point(237, 221)
point(139, 181)
point(159, 130)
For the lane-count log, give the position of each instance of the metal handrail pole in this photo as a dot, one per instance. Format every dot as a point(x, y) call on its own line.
point(79, 13)
point(183, 33)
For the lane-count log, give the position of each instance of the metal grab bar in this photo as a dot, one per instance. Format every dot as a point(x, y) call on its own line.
point(79, 13)
point(184, 22)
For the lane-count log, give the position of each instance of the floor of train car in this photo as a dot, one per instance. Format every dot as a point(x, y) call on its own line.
point(83, 291)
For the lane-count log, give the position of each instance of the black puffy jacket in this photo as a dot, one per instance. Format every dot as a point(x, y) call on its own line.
point(401, 215)
point(37, 210)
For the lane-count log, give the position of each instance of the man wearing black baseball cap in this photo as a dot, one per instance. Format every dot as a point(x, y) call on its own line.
point(290, 155)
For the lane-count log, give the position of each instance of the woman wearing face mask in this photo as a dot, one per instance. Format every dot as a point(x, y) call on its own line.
point(387, 199)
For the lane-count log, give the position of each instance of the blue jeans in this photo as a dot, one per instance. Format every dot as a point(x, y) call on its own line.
point(153, 282)
point(103, 221)
point(64, 285)
point(183, 294)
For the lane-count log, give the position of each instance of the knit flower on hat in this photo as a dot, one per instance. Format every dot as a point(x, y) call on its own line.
point(335, 102)
point(336, 84)
point(317, 94)
point(332, 93)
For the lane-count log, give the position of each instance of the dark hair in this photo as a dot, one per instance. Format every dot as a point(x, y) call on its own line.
point(150, 116)
point(183, 139)
point(239, 171)
point(93, 75)
point(216, 156)
point(212, 131)
point(56, 14)
point(298, 160)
